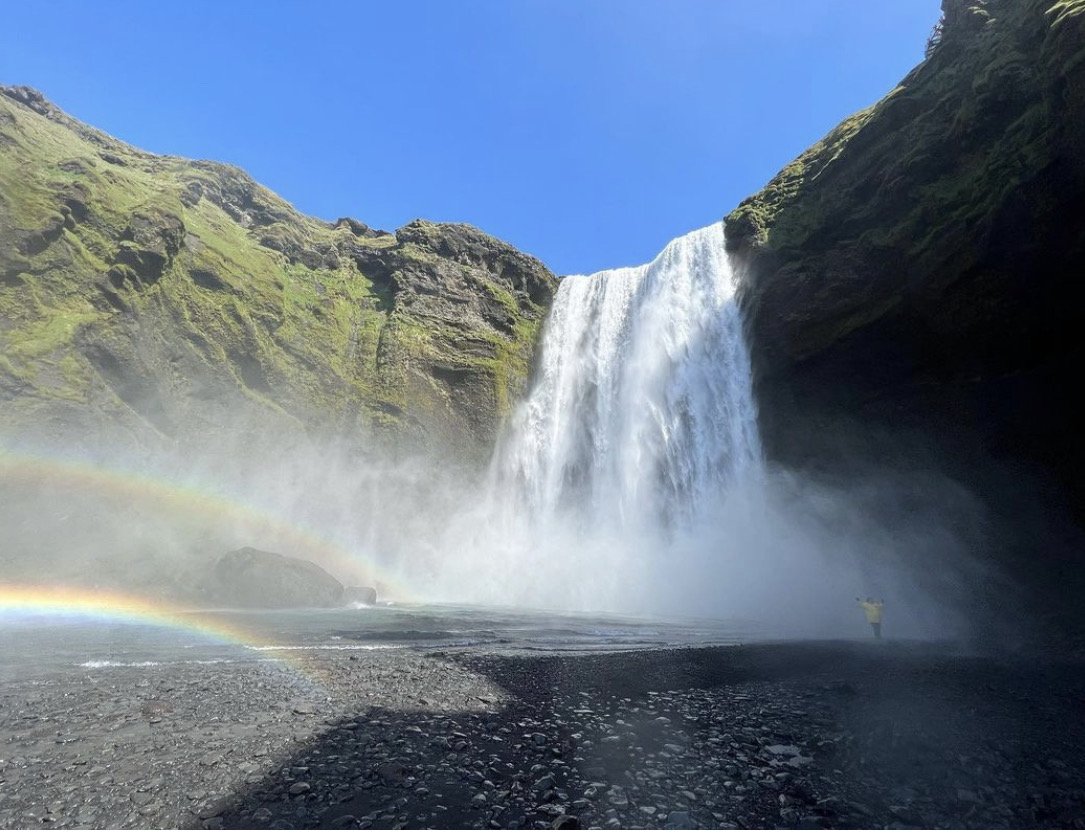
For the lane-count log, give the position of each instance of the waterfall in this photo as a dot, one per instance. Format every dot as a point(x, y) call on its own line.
point(639, 424)
point(630, 478)
point(642, 412)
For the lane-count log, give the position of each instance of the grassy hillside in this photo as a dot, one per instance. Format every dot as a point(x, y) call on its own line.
point(152, 298)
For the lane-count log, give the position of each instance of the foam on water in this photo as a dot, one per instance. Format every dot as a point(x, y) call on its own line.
point(109, 663)
point(65, 646)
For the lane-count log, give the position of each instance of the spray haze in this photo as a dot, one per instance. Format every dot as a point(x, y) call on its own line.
point(630, 479)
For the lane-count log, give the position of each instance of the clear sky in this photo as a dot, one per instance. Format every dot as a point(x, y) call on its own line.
point(587, 132)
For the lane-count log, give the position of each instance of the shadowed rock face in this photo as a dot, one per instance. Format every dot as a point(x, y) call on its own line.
point(915, 278)
point(155, 299)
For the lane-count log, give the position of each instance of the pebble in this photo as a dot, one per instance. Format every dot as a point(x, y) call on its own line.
point(474, 759)
point(678, 820)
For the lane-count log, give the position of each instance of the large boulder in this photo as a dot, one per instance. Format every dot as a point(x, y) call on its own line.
point(360, 595)
point(253, 578)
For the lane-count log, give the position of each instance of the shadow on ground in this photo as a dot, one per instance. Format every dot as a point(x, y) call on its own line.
point(803, 735)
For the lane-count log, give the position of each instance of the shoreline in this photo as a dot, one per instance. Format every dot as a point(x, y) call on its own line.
point(779, 734)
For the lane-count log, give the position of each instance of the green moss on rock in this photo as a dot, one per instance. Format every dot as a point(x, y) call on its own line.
point(917, 273)
point(192, 297)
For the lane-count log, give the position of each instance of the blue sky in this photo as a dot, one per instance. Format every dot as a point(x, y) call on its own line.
point(587, 132)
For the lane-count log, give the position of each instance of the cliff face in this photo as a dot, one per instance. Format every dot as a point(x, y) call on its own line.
point(150, 298)
point(918, 274)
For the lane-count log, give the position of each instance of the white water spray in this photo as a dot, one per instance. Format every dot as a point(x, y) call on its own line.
point(631, 480)
point(643, 410)
point(640, 421)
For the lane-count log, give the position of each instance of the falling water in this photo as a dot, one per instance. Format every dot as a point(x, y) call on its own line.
point(642, 412)
point(640, 423)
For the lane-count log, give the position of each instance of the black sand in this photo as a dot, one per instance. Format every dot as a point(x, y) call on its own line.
point(801, 735)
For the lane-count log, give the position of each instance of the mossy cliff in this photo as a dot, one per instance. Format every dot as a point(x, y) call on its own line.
point(920, 270)
point(926, 255)
point(151, 298)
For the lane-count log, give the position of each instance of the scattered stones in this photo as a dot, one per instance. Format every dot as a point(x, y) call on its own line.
point(537, 758)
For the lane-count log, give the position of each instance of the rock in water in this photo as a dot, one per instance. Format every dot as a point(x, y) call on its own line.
point(360, 595)
point(253, 578)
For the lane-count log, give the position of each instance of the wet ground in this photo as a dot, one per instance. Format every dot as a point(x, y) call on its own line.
point(802, 735)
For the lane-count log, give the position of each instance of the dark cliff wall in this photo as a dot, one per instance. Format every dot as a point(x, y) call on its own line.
point(149, 299)
point(915, 289)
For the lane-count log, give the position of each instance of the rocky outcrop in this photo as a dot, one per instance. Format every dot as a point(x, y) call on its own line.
point(359, 595)
point(154, 299)
point(253, 578)
point(914, 279)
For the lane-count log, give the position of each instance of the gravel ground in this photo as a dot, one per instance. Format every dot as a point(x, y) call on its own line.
point(800, 735)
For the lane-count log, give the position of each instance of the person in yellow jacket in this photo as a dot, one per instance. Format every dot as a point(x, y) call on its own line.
point(873, 611)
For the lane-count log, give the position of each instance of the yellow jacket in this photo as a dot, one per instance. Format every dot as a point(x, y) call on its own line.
point(873, 611)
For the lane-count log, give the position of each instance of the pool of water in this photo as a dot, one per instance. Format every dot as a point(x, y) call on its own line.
point(33, 643)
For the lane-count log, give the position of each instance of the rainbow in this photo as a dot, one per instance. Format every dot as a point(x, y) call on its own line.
point(203, 503)
point(112, 607)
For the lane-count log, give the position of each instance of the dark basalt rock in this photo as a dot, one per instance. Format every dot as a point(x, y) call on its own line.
point(359, 228)
point(914, 280)
point(29, 97)
point(253, 578)
point(468, 246)
point(149, 244)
